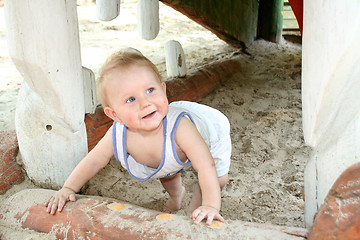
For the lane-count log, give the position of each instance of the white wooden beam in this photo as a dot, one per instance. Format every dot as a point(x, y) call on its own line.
point(330, 95)
point(175, 59)
point(148, 19)
point(90, 99)
point(107, 10)
point(43, 40)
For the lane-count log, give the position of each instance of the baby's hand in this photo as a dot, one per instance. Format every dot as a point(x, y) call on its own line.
point(59, 199)
point(204, 212)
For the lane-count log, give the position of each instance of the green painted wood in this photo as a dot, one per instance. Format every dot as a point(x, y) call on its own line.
point(270, 20)
point(237, 22)
point(234, 21)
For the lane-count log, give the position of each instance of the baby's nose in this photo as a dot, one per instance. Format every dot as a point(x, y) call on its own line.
point(144, 102)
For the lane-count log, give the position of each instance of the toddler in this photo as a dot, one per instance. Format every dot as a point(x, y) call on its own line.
point(154, 139)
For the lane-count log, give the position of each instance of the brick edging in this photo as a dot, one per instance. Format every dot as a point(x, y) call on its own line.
point(10, 171)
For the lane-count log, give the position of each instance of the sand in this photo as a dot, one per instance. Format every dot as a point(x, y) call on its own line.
point(262, 102)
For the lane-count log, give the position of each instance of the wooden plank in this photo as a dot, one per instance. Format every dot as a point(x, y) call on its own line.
point(290, 24)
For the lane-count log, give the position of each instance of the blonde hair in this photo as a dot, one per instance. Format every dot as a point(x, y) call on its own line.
point(124, 58)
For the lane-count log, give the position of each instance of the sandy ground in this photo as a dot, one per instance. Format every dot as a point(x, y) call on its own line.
point(262, 102)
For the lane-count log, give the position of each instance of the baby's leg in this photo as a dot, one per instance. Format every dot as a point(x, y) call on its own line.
point(197, 199)
point(176, 190)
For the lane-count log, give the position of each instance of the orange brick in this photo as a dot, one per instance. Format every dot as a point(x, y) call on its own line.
point(97, 125)
point(10, 171)
point(12, 176)
point(339, 215)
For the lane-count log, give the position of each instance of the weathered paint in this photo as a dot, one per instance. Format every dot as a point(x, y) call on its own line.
point(330, 95)
point(10, 171)
point(107, 10)
point(148, 19)
point(270, 20)
point(43, 40)
point(175, 59)
point(232, 21)
point(339, 215)
point(90, 218)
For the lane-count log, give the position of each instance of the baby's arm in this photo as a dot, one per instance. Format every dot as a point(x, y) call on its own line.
point(89, 166)
point(193, 145)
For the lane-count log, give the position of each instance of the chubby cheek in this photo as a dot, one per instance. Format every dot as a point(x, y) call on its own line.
point(131, 121)
point(164, 103)
point(132, 117)
point(128, 117)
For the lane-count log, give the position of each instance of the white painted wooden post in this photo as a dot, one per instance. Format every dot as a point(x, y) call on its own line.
point(43, 39)
point(148, 19)
point(175, 59)
point(330, 93)
point(90, 99)
point(107, 10)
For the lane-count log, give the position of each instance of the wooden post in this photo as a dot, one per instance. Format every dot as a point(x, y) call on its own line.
point(330, 95)
point(270, 20)
point(107, 10)
point(175, 59)
point(148, 19)
point(43, 39)
point(90, 98)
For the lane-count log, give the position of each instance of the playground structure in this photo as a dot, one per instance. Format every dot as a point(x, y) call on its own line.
point(330, 106)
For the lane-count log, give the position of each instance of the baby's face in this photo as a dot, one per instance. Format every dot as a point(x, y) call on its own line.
point(137, 97)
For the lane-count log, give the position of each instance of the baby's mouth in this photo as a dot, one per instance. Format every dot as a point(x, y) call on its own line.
point(150, 115)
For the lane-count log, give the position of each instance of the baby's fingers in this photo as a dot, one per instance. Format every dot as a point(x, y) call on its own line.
point(72, 197)
point(198, 216)
point(52, 206)
point(209, 220)
point(195, 213)
point(61, 205)
point(48, 204)
point(216, 217)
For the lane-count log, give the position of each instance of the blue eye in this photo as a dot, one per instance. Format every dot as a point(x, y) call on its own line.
point(150, 90)
point(131, 99)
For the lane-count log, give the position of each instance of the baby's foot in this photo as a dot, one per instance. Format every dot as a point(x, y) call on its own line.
point(174, 203)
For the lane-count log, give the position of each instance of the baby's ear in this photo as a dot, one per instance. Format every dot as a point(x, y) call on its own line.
point(111, 114)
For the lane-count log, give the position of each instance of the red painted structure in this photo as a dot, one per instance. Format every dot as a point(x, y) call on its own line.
point(297, 7)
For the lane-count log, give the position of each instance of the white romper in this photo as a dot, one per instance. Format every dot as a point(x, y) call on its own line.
point(213, 126)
